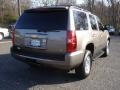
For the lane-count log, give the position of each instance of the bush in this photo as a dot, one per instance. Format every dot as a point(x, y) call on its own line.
point(10, 19)
point(7, 20)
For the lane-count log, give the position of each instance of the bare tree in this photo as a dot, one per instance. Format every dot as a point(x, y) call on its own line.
point(90, 5)
point(48, 2)
point(37, 3)
point(2, 5)
point(9, 11)
point(109, 12)
point(65, 2)
point(114, 11)
point(53, 2)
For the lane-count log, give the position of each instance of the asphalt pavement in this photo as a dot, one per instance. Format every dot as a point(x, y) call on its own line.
point(15, 75)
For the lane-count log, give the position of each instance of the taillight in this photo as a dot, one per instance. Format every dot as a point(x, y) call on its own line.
point(71, 41)
point(13, 36)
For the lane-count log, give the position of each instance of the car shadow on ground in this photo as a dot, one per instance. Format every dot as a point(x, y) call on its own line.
point(15, 74)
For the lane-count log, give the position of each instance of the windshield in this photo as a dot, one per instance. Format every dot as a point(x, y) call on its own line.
point(43, 20)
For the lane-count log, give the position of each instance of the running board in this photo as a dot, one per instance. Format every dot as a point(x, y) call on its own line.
point(98, 55)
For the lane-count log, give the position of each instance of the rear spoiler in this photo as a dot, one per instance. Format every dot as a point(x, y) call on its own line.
point(47, 9)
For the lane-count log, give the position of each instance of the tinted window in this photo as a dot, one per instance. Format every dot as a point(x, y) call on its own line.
point(44, 20)
point(93, 22)
point(81, 22)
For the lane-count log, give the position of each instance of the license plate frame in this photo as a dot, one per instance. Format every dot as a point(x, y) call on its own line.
point(35, 43)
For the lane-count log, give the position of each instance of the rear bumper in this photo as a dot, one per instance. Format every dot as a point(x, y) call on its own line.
point(6, 34)
point(71, 61)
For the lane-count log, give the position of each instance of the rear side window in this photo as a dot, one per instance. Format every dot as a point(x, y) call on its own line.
point(93, 22)
point(80, 19)
point(43, 20)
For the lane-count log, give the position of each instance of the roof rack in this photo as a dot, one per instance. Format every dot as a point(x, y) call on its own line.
point(78, 7)
point(63, 6)
point(74, 6)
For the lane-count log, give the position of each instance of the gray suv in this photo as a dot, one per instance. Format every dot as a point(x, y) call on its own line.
point(64, 37)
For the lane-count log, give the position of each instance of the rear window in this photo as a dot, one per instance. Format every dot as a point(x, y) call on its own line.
point(43, 20)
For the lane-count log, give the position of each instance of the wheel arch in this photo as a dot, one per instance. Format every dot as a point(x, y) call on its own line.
point(2, 33)
point(90, 47)
point(108, 39)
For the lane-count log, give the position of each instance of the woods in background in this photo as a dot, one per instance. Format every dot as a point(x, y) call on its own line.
point(107, 10)
point(9, 10)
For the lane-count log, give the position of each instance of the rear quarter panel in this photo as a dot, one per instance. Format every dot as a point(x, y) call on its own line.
point(83, 38)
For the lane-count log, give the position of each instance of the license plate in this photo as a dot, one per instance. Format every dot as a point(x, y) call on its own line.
point(35, 43)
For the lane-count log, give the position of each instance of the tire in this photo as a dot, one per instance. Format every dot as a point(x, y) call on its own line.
point(1, 36)
point(107, 49)
point(84, 69)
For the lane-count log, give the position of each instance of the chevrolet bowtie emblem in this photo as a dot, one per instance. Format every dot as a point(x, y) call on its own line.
point(34, 36)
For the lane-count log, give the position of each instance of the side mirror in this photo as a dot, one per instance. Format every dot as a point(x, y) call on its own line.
point(102, 28)
point(105, 27)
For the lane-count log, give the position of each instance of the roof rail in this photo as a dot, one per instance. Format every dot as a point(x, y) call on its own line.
point(78, 7)
point(74, 6)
